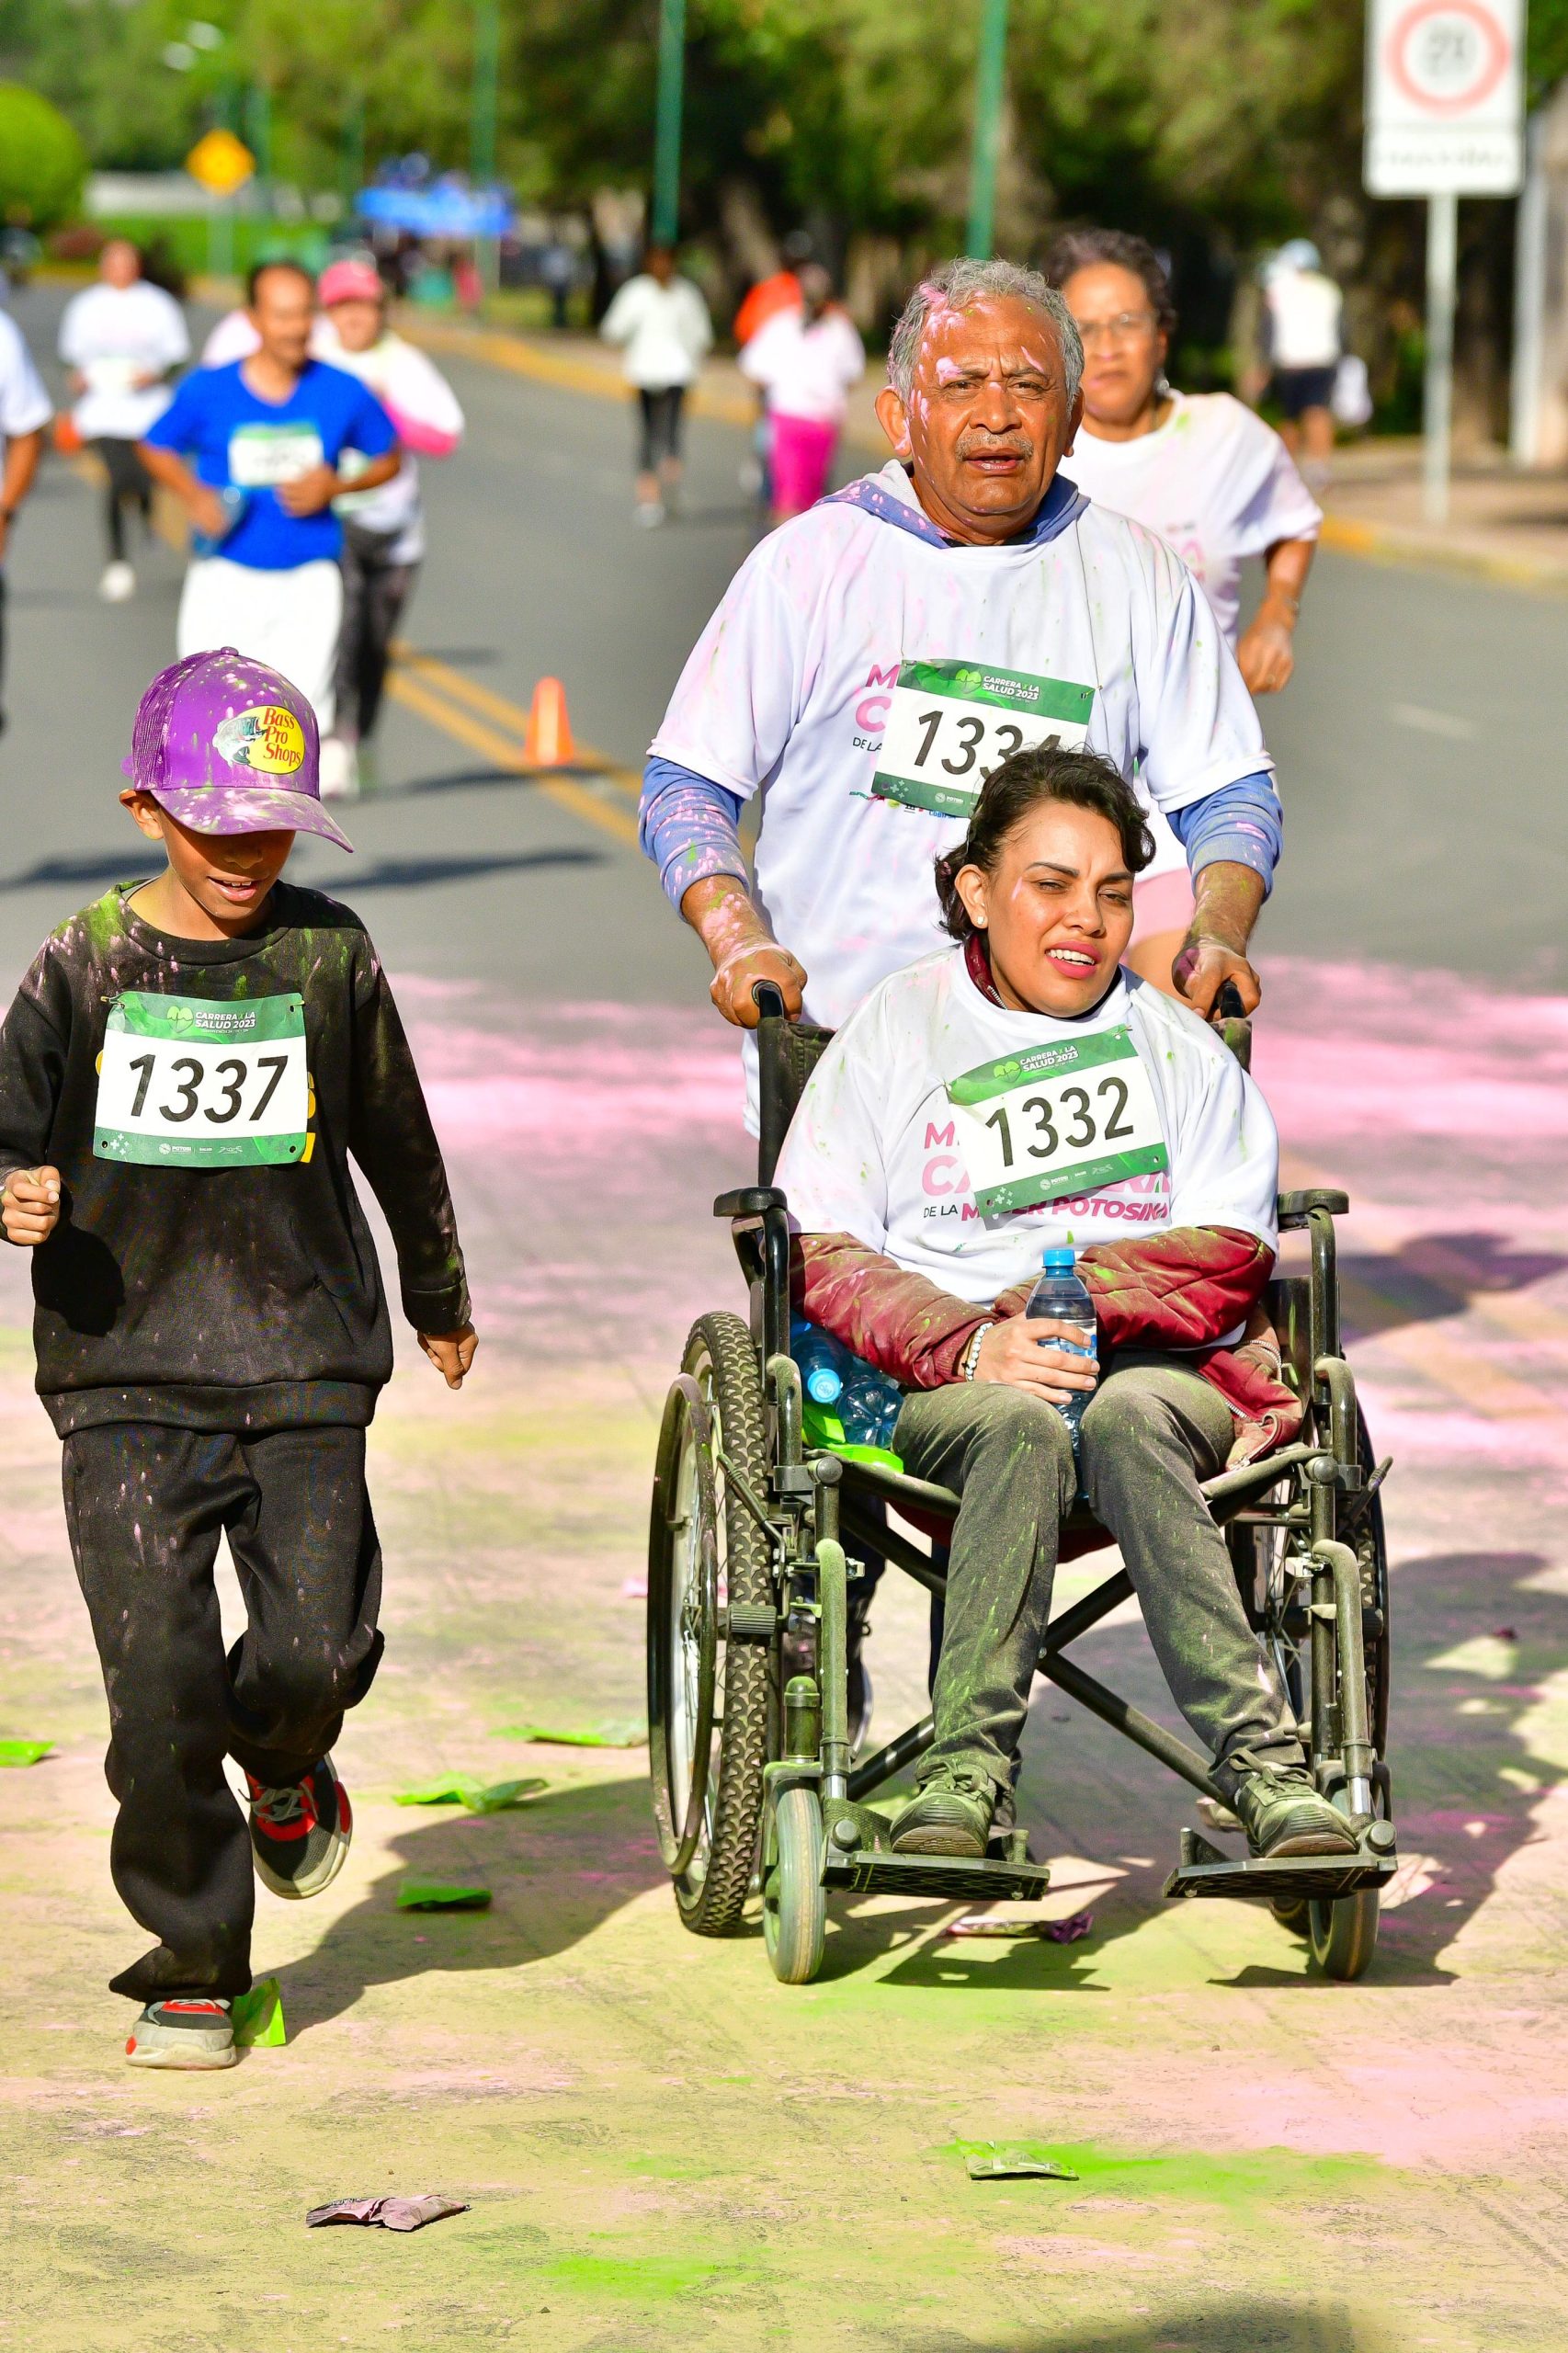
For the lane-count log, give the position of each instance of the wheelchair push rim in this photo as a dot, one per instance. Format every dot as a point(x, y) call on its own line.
point(683, 1606)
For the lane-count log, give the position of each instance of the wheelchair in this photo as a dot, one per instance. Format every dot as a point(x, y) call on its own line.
point(752, 1564)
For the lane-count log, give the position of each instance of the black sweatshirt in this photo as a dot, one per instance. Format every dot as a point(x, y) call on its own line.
point(225, 1297)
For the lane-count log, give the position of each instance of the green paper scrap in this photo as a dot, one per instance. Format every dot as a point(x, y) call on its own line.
point(1013, 2160)
point(624, 1733)
point(259, 2017)
point(478, 1797)
point(24, 1752)
point(440, 1895)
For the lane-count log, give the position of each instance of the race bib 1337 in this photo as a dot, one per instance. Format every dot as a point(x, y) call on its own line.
point(203, 1083)
point(949, 723)
point(1067, 1117)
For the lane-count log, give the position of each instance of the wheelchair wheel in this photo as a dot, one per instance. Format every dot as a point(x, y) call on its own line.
point(794, 1905)
point(708, 1701)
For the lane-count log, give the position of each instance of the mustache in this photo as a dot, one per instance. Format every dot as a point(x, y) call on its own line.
point(980, 444)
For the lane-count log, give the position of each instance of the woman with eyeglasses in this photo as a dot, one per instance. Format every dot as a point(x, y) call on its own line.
point(1211, 478)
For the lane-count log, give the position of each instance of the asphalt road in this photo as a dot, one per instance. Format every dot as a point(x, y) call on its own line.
point(1420, 747)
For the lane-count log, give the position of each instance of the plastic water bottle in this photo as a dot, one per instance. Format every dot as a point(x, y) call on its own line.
point(825, 1363)
point(1062, 1294)
point(234, 504)
point(869, 1406)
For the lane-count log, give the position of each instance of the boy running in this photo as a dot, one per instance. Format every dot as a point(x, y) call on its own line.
point(183, 1075)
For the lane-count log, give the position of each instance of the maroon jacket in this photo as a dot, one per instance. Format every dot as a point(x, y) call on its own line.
point(1177, 1289)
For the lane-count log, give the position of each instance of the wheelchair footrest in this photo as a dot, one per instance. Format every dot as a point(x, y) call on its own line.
point(1290, 1878)
point(944, 1879)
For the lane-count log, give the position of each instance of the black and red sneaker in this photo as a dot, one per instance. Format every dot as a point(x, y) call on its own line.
point(300, 1832)
point(185, 2031)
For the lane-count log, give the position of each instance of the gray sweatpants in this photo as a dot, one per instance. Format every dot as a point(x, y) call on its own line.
point(1151, 1431)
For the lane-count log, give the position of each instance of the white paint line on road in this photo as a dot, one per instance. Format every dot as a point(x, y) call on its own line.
point(1446, 724)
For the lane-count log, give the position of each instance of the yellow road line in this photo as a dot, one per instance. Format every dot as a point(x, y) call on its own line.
point(508, 714)
point(561, 789)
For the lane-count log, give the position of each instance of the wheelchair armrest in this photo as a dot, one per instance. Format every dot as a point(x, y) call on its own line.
point(1295, 1207)
point(749, 1200)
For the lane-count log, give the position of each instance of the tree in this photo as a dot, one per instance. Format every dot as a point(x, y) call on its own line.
point(42, 162)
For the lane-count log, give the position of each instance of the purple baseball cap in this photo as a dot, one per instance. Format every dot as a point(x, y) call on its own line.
point(229, 747)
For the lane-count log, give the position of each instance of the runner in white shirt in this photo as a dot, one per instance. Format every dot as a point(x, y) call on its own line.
point(25, 410)
point(662, 325)
point(1305, 310)
point(1007, 1094)
point(120, 339)
point(384, 530)
point(805, 362)
point(1211, 478)
point(873, 659)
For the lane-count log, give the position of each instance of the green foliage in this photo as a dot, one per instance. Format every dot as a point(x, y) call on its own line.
point(42, 162)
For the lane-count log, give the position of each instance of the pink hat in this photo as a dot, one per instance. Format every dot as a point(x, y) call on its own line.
point(353, 280)
point(230, 746)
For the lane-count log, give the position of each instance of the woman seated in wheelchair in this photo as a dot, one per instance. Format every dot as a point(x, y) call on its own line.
point(1019, 1091)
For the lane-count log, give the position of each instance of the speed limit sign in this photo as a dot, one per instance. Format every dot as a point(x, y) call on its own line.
point(1444, 98)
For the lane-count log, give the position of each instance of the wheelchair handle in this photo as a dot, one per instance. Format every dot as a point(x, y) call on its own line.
point(769, 999)
point(1228, 1006)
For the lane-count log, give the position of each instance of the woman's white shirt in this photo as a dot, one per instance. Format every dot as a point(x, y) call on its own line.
point(1214, 480)
point(875, 1151)
point(806, 370)
point(113, 335)
point(663, 331)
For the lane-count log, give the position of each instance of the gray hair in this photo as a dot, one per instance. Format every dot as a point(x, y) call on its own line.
point(958, 285)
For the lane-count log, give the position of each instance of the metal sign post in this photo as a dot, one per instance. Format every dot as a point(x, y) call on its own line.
point(988, 83)
point(666, 124)
point(1445, 116)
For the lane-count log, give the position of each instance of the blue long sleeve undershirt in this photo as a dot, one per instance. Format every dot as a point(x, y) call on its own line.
point(689, 826)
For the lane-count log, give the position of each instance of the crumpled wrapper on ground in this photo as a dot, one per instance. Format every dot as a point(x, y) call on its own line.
point(388, 2214)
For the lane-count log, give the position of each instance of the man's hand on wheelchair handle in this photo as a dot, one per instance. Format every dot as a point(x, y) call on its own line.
point(720, 911)
point(451, 1353)
point(1215, 949)
point(1019, 1355)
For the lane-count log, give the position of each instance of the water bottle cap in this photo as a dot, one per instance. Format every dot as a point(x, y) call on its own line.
point(1061, 1257)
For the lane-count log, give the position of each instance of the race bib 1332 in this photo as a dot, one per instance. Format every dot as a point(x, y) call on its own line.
point(190, 1082)
point(1067, 1117)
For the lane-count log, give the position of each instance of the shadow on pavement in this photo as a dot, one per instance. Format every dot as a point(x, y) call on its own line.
point(420, 874)
point(557, 1866)
point(96, 872)
point(1434, 1275)
point(1224, 2324)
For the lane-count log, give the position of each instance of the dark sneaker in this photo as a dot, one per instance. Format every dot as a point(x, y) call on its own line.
point(1283, 1814)
point(949, 1815)
point(301, 1833)
point(183, 2031)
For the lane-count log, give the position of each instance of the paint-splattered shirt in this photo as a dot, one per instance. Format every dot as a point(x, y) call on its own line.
point(241, 1297)
point(880, 1150)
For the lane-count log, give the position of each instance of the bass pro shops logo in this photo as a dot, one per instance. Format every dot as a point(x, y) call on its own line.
point(266, 739)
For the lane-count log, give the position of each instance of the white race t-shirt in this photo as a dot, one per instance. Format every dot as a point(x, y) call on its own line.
point(789, 690)
point(422, 406)
point(1305, 310)
point(24, 403)
point(806, 370)
point(113, 335)
point(878, 1149)
point(1215, 481)
point(663, 331)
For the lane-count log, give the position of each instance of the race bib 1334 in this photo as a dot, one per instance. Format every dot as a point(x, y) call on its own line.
point(1067, 1117)
point(190, 1082)
point(949, 723)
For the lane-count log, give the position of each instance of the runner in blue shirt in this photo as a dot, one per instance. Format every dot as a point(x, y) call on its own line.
point(255, 454)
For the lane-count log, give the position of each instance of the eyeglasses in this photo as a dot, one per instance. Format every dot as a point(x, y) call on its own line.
point(1128, 326)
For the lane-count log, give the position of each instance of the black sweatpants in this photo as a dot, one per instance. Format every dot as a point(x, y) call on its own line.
point(145, 1505)
point(129, 485)
point(375, 591)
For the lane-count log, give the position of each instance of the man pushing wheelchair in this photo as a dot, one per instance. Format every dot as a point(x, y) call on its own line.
point(899, 1257)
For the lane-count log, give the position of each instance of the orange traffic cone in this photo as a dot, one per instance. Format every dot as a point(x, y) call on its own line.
point(548, 744)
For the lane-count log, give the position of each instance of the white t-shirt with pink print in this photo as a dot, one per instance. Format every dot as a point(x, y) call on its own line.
point(876, 1149)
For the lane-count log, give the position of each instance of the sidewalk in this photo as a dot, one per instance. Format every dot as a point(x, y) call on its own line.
point(1503, 526)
